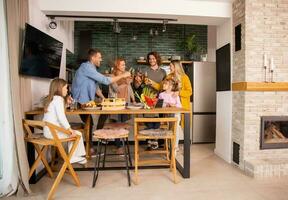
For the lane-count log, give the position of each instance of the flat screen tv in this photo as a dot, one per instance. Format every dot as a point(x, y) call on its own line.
point(41, 54)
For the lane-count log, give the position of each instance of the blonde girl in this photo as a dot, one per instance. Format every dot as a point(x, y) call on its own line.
point(55, 114)
point(170, 86)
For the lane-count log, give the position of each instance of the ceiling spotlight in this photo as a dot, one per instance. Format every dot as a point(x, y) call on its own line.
point(156, 32)
point(53, 24)
point(165, 22)
point(151, 32)
point(116, 26)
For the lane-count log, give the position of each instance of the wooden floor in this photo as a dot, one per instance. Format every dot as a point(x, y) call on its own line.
point(211, 178)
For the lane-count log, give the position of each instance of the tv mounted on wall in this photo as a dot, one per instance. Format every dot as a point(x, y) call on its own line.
point(41, 54)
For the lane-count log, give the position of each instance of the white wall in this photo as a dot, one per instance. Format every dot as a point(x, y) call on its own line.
point(211, 43)
point(224, 102)
point(224, 34)
point(63, 33)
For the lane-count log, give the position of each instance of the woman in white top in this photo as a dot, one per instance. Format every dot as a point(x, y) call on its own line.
point(55, 114)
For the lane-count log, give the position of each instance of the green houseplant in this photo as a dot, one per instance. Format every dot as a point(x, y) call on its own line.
point(191, 46)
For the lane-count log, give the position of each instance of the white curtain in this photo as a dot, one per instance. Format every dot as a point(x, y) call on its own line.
point(9, 180)
point(14, 14)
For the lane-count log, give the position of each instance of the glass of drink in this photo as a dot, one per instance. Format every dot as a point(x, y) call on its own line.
point(74, 105)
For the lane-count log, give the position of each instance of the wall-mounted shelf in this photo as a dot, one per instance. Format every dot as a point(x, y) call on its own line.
point(260, 86)
point(144, 62)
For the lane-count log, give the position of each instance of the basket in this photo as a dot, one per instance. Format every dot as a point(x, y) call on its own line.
point(113, 104)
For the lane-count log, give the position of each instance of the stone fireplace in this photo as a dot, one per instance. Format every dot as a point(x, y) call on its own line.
point(274, 132)
point(263, 27)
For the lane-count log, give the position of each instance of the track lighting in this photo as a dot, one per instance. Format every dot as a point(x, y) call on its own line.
point(53, 24)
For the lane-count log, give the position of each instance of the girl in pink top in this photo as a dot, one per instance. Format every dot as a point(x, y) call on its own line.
point(170, 98)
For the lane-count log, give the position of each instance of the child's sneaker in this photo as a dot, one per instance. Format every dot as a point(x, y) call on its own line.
point(154, 144)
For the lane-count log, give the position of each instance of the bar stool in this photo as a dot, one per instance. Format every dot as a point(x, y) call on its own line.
point(103, 136)
point(117, 126)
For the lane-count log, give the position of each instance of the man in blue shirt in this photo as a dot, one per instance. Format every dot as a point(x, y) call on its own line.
point(86, 82)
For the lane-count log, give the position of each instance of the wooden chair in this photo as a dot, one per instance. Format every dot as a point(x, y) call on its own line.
point(41, 144)
point(55, 156)
point(166, 134)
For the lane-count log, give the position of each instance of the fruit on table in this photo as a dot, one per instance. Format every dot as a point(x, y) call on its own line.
point(90, 104)
point(150, 101)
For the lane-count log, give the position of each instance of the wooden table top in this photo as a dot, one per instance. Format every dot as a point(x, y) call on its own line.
point(168, 110)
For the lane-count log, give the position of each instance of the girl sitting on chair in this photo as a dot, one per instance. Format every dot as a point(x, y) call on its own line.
point(55, 113)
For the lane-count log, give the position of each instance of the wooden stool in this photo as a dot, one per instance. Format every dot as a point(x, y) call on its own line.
point(105, 135)
point(166, 134)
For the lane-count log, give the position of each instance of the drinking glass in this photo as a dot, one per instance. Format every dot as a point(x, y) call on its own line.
point(74, 105)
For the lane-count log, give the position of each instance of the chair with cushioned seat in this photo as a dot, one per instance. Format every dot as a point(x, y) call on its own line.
point(168, 134)
point(104, 135)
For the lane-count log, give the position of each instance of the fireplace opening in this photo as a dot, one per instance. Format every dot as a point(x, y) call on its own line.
point(274, 132)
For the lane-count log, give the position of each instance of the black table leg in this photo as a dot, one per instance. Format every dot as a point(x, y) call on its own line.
point(185, 170)
point(126, 161)
point(97, 163)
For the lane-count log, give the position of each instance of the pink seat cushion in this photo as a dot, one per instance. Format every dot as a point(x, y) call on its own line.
point(111, 133)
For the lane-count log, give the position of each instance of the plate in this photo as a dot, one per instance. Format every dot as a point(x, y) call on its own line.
point(134, 107)
point(92, 108)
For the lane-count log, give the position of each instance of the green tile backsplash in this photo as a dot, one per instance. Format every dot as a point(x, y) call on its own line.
point(115, 45)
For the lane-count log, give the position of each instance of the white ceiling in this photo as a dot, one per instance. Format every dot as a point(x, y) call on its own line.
point(227, 1)
point(206, 12)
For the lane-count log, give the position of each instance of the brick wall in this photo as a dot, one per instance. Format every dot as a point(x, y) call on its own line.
point(238, 100)
point(264, 30)
point(113, 45)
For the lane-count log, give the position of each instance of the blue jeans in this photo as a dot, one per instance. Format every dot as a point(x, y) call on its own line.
point(152, 125)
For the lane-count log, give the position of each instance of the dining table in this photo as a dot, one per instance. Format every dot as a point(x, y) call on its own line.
point(183, 167)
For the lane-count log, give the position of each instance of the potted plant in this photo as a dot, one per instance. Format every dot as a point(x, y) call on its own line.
point(191, 46)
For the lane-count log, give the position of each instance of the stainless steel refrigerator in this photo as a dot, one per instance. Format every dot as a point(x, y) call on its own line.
point(204, 102)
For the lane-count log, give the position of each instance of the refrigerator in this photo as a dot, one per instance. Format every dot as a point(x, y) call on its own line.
point(204, 102)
